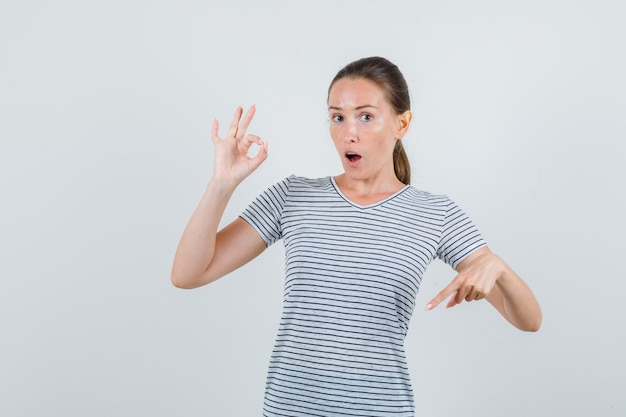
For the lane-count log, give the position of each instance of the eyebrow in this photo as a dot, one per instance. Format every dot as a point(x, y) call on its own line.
point(356, 108)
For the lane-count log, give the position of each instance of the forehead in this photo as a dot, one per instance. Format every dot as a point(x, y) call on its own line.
point(355, 92)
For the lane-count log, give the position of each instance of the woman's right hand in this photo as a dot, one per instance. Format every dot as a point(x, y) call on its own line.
point(233, 162)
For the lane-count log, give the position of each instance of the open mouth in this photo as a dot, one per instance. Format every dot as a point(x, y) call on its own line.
point(353, 157)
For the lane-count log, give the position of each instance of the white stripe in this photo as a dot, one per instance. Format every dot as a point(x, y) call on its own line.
point(352, 273)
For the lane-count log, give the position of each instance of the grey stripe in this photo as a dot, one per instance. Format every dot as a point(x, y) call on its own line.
point(352, 273)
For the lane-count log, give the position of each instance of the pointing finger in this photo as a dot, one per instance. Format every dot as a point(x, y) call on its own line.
point(443, 294)
point(453, 300)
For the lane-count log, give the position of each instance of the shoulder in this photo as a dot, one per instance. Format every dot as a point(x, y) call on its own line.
point(297, 187)
point(308, 182)
point(416, 196)
point(297, 184)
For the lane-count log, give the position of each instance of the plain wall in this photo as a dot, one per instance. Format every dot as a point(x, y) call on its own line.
point(105, 117)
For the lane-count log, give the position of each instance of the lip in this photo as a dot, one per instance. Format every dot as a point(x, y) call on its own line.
point(352, 158)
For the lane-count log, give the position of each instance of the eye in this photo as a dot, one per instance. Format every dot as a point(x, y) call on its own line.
point(366, 117)
point(337, 118)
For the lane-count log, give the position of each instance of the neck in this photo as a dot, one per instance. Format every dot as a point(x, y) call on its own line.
point(369, 187)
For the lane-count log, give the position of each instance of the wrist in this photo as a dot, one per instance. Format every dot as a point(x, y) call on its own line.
point(220, 187)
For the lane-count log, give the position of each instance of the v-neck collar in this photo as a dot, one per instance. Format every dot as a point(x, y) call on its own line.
point(366, 206)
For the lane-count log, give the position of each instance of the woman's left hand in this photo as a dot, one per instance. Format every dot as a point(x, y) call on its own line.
point(483, 274)
point(477, 275)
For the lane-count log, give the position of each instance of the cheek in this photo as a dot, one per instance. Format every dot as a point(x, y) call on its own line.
point(378, 126)
point(336, 131)
point(334, 134)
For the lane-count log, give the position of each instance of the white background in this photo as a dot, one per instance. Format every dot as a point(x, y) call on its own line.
point(105, 115)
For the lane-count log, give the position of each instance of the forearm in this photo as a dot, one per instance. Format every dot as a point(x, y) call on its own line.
point(516, 301)
point(197, 245)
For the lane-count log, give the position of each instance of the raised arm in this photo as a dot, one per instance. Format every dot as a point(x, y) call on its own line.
point(204, 254)
point(483, 274)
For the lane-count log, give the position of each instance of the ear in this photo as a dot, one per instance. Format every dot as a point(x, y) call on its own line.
point(404, 121)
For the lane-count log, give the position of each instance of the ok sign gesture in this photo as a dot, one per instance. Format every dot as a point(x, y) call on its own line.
point(233, 162)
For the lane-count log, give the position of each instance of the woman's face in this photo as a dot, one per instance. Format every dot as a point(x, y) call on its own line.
point(364, 128)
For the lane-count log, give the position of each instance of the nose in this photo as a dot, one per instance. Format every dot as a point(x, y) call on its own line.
point(351, 133)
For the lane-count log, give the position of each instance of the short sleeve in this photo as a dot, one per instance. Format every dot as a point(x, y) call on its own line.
point(264, 213)
point(459, 236)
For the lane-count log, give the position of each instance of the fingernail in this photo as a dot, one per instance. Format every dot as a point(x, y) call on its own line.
point(428, 307)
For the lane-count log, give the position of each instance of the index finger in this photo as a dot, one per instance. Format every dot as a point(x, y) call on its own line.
point(443, 294)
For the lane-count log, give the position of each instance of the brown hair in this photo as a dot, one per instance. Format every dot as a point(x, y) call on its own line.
point(388, 77)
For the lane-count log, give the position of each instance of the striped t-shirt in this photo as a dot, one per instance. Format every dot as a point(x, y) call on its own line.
point(352, 273)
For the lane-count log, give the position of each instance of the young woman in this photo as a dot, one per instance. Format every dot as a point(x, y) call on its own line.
point(356, 247)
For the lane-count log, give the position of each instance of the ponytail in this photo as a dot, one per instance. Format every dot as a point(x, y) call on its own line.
point(401, 164)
